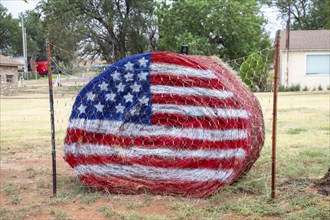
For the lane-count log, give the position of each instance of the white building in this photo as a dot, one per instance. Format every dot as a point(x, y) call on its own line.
point(307, 61)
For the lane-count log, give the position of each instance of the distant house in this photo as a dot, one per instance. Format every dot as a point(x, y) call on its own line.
point(19, 60)
point(32, 65)
point(307, 61)
point(8, 73)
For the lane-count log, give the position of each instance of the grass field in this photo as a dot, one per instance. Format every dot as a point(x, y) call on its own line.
point(26, 175)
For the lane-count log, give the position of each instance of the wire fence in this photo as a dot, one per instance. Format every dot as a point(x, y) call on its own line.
point(119, 94)
point(303, 135)
point(255, 71)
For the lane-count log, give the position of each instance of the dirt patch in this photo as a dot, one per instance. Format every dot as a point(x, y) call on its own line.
point(26, 193)
point(323, 185)
point(303, 182)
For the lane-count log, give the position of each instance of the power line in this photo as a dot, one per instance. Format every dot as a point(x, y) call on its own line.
point(61, 49)
point(57, 65)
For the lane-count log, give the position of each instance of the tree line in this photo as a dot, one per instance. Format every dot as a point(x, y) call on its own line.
point(114, 29)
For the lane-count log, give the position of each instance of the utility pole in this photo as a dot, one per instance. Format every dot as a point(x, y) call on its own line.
point(24, 46)
point(51, 102)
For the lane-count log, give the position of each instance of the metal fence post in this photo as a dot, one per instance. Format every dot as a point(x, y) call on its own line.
point(51, 102)
point(276, 67)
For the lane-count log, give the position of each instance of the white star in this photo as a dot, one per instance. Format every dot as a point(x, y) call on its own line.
point(120, 87)
point(120, 108)
point(103, 86)
point(116, 75)
point(99, 107)
point(143, 75)
point(129, 97)
point(90, 96)
point(129, 77)
point(110, 96)
point(143, 62)
point(135, 87)
point(82, 108)
point(144, 100)
point(129, 66)
point(134, 111)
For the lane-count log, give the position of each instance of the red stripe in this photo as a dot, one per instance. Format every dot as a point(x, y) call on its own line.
point(84, 137)
point(139, 186)
point(177, 59)
point(194, 101)
point(154, 161)
point(183, 121)
point(185, 81)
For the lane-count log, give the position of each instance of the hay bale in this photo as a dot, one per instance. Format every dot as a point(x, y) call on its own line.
point(166, 124)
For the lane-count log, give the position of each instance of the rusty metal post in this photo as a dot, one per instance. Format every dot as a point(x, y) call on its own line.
point(51, 102)
point(276, 67)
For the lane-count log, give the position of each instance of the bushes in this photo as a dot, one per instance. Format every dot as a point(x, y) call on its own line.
point(254, 73)
point(292, 88)
point(296, 87)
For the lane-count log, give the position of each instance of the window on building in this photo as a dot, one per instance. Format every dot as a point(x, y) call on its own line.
point(317, 64)
point(9, 78)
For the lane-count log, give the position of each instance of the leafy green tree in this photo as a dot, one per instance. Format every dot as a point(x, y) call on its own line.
point(253, 72)
point(61, 28)
point(200, 24)
point(320, 14)
point(10, 34)
point(110, 28)
point(35, 35)
point(305, 14)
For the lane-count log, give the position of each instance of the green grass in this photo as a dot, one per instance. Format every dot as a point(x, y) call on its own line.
point(15, 199)
point(74, 189)
point(60, 215)
point(303, 135)
point(11, 189)
point(20, 213)
point(91, 198)
point(296, 130)
point(109, 212)
point(138, 204)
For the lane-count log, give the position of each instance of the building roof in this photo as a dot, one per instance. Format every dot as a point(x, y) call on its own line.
point(5, 61)
point(307, 40)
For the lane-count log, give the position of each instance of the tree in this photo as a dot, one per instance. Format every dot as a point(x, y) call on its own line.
point(253, 72)
point(305, 14)
point(110, 28)
point(61, 28)
point(201, 23)
point(35, 35)
point(321, 14)
point(10, 34)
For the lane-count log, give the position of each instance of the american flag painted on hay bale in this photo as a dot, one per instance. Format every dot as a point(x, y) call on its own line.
point(164, 123)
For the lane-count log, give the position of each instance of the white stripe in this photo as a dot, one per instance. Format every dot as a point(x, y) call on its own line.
point(138, 171)
point(133, 130)
point(199, 111)
point(138, 152)
point(177, 70)
point(196, 91)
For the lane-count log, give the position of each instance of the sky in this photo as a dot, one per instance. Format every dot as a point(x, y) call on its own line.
point(15, 7)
